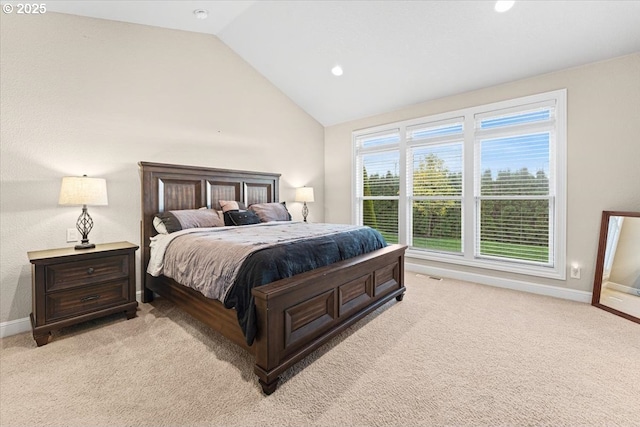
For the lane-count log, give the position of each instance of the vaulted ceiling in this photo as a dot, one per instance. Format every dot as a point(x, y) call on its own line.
point(393, 53)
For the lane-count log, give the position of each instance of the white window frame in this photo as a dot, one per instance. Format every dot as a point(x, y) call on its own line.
point(558, 170)
point(359, 198)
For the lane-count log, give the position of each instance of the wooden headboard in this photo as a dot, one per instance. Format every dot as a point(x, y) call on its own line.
point(173, 187)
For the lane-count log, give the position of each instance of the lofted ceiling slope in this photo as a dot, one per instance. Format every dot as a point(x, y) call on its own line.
point(393, 53)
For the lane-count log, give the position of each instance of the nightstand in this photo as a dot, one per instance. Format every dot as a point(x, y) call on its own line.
point(70, 286)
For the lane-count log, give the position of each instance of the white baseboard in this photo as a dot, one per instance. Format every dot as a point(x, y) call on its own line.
point(14, 327)
point(19, 326)
point(518, 285)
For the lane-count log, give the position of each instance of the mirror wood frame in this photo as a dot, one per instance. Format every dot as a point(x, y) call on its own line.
point(602, 245)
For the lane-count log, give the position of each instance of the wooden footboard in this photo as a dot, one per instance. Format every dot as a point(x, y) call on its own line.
point(299, 314)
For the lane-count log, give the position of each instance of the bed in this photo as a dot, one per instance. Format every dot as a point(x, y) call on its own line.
point(294, 315)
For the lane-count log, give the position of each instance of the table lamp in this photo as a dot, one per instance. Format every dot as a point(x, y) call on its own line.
point(304, 195)
point(83, 191)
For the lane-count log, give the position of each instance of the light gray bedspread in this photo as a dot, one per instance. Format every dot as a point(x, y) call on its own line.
point(208, 259)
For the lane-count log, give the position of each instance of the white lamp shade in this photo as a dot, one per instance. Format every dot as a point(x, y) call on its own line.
point(304, 194)
point(81, 190)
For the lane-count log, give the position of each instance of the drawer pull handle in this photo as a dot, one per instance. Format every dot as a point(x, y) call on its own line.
point(89, 298)
point(90, 270)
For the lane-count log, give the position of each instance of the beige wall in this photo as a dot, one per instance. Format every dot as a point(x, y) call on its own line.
point(603, 153)
point(87, 96)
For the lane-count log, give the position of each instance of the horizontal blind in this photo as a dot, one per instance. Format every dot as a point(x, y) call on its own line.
point(540, 112)
point(436, 169)
point(378, 139)
point(433, 130)
point(382, 214)
point(378, 185)
point(435, 184)
point(380, 173)
point(514, 197)
point(515, 229)
point(517, 165)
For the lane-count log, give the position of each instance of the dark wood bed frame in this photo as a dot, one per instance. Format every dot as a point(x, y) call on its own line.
point(295, 315)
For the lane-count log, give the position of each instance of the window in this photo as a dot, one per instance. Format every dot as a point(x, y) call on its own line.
point(378, 183)
point(483, 186)
point(434, 190)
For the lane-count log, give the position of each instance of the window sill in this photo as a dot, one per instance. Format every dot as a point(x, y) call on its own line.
point(509, 267)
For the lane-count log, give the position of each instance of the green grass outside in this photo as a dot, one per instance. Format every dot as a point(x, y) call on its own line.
point(447, 245)
point(389, 237)
point(526, 252)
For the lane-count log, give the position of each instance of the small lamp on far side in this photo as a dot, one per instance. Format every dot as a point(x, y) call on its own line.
point(83, 191)
point(304, 195)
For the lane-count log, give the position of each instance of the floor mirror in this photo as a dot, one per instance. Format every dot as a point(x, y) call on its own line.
point(616, 286)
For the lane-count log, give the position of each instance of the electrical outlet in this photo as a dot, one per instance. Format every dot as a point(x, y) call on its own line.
point(575, 272)
point(72, 235)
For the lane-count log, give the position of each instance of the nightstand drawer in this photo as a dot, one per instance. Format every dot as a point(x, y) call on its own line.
point(71, 274)
point(70, 286)
point(86, 299)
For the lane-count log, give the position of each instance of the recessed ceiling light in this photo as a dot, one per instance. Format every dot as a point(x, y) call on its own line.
point(201, 13)
point(337, 70)
point(503, 5)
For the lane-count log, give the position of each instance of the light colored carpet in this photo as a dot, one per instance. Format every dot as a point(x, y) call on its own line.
point(451, 353)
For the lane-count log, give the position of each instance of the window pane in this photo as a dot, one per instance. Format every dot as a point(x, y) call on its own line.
point(502, 216)
point(437, 170)
point(378, 139)
point(383, 216)
point(517, 165)
point(380, 174)
point(516, 119)
point(517, 229)
point(426, 131)
point(437, 225)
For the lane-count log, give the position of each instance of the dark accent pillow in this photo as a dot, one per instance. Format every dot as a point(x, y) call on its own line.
point(227, 218)
point(271, 211)
point(187, 218)
point(242, 217)
point(230, 206)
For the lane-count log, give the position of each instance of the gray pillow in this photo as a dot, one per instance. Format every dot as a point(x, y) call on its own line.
point(268, 212)
point(171, 221)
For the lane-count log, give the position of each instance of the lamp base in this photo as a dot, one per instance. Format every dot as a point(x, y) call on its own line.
point(85, 246)
point(84, 224)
